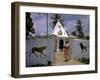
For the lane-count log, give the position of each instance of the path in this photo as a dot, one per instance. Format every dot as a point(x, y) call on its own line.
point(59, 60)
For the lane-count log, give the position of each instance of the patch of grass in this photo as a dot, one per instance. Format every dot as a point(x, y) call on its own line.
point(84, 60)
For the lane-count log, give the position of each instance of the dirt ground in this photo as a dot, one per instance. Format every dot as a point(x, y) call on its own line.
point(59, 60)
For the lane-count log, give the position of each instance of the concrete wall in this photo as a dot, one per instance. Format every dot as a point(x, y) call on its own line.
point(49, 51)
point(39, 42)
point(76, 49)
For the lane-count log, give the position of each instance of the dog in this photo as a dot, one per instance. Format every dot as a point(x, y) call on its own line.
point(83, 47)
point(37, 49)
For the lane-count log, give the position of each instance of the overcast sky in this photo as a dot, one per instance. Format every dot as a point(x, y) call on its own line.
point(40, 22)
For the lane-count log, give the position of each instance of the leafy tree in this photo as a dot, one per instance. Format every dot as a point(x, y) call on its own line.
point(79, 29)
point(29, 24)
point(55, 18)
point(73, 33)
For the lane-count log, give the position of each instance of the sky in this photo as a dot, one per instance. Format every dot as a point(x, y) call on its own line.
point(40, 21)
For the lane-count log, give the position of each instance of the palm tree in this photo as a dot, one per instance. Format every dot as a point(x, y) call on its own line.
point(55, 18)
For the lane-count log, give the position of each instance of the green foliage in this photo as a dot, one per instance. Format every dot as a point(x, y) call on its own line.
point(73, 33)
point(79, 29)
point(29, 24)
point(84, 60)
point(85, 37)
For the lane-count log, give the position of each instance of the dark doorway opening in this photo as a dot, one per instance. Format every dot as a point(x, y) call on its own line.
point(61, 44)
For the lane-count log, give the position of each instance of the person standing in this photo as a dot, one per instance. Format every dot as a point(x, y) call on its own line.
point(66, 50)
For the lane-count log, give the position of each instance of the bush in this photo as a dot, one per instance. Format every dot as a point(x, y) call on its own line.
point(84, 60)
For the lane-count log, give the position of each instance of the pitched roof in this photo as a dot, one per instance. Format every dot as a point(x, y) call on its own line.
point(59, 30)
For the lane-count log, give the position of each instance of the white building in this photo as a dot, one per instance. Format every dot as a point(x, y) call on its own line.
point(59, 30)
point(61, 35)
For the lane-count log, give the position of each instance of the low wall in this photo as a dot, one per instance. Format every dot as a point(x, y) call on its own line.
point(76, 51)
point(39, 42)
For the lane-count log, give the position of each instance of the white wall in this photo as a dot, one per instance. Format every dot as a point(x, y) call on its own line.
point(5, 40)
point(40, 42)
point(76, 52)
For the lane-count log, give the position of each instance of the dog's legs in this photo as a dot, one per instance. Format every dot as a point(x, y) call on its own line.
point(85, 49)
point(35, 54)
point(81, 51)
point(41, 54)
point(30, 54)
point(44, 55)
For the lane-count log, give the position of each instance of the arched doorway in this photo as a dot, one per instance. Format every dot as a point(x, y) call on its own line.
point(61, 44)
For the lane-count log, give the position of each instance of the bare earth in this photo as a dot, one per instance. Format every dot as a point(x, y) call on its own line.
point(59, 60)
